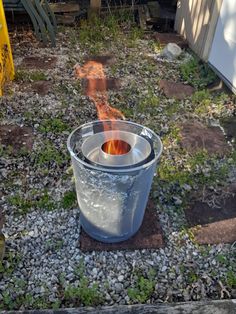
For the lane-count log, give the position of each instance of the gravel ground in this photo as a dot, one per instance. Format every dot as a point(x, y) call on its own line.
point(44, 266)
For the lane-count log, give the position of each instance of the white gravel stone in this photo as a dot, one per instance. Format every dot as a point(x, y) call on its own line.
point(120, 278)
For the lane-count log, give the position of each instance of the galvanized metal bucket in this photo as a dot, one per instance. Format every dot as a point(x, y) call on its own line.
point(112, 191)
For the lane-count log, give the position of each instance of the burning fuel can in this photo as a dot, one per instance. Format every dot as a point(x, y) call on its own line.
point(113, 186)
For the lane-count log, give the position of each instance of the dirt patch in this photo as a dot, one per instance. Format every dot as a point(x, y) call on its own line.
point(41, 63)
point(16, 137)
point(196, 136)
point(41, 87)
point(217, 224)
point(176, 90)
point(201, 213)
point(149, 236)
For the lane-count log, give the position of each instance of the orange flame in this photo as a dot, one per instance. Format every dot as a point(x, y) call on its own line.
point(116, 147)
point(96, 90)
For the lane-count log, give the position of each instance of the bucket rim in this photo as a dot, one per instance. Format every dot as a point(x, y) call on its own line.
point(107, 168)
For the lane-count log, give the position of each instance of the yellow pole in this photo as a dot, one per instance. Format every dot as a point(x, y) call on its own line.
point(6, 61)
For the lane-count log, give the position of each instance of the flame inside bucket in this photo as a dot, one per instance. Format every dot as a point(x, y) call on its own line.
point(96, 90)
point(116, 147)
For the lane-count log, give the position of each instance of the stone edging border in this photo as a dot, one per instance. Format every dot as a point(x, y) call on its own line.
point(198, 307)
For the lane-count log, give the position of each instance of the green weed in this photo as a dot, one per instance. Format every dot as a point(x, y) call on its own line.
point(25, 76)
point(96, 33)
point(8, 266)
point(144, 288)
point(96, 30)
point(7, 302)
point(173, 136)
point(187, 231)
point(55, 125)
point(45, 202)
point(192, 277)
point(48, 155)
point(134, 35)
point(172, 109)
point(202, 101)
point(28, 301)
point(199, 168)
point(231, 279)
point(197, 73)
point(73, 35)
point(54, 245)
point(189, 273)
point(24, 204)
point(170, 173)
point(202, 96)
point(222, 259)
point(83, 293)
point(150, 101)
point(6, 150)
point(157, 46)
point(69, 199)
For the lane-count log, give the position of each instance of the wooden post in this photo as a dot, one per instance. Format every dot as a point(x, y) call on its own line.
point(95, 6)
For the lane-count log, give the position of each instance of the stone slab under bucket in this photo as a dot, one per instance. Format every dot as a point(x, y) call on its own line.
point(149, 236)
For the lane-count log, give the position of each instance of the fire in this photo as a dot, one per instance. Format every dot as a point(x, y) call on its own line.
point(116, 147)
point(96, 90)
